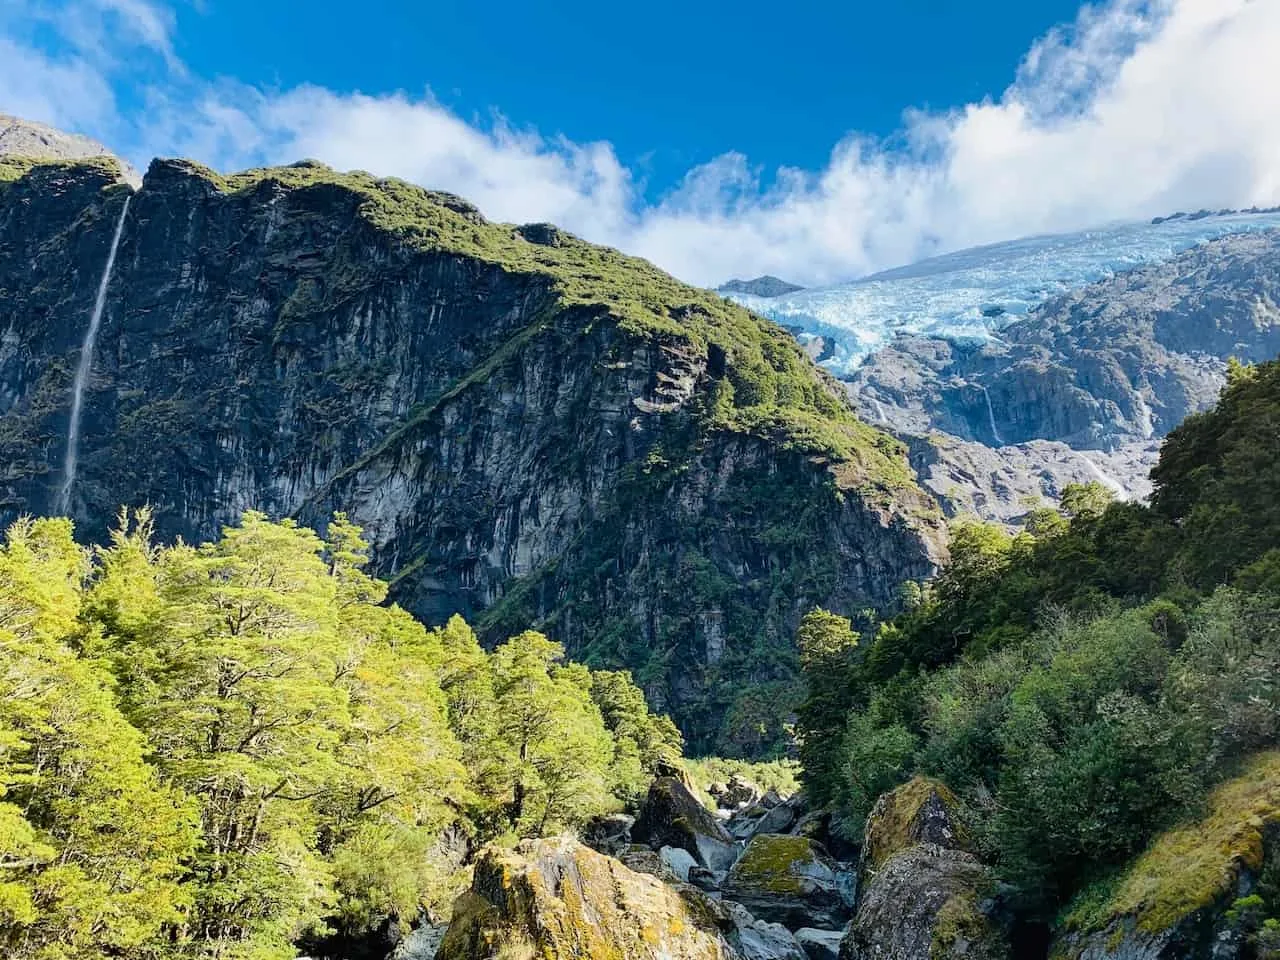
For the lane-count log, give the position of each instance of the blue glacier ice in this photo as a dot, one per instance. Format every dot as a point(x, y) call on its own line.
point(973, 293)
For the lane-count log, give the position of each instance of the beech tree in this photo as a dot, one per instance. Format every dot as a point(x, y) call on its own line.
point(92, 844)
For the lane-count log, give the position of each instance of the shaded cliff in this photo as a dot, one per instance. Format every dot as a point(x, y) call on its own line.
point(531, 429)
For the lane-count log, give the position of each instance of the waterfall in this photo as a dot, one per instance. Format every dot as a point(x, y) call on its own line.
point(1114, 486)
point(880, 411)
point(991, 416)
point(1145, 420)
point(86, 364)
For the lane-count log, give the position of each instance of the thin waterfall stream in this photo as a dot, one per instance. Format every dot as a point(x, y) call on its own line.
point(85, 366)
point(1115, 486)
point(991, 416)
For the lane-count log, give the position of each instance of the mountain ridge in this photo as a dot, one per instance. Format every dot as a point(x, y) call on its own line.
point(531, 429)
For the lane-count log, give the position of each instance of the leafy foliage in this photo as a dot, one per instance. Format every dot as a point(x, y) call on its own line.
point(1084, 684)
point(215, 750)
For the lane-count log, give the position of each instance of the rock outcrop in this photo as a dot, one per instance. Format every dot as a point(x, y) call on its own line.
point(26, 138)
point(532, 431)
point(1194, 892)
point(919, 811)
point(672, 817)
point(1085, 386)
point(558, 900)
point(926, 901)
point(791, 880)
point(920, 893)
point(765, 286)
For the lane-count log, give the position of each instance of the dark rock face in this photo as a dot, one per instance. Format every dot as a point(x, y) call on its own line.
point(515, 454)
point(765, 286)
point(673, 817)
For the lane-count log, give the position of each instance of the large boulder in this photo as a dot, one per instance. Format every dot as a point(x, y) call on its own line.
point(926, 902)
point(755, 939)
point(642, 859)
point(792, 881)
point(922, 895)
point(1192, 893)
point(673, 817)
point(737, 793)
point(769, 814)
point(608, 834)
point(919, 811)
point(819, 944)
point(559, 900)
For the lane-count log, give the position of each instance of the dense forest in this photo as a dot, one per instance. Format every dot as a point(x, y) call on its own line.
point(1087, 683)
point(216, 751)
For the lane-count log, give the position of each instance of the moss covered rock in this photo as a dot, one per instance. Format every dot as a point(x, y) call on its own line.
point(1174, 900)
point(673, 817)
point(923, 895)
point(791, 880)
point(558, 900)
point(919, 811)
point(927, 902)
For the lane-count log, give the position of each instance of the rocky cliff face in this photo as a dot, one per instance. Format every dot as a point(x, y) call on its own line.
point(1084, 387)
point(765, 286)
point(532, 430)
point(25, 138)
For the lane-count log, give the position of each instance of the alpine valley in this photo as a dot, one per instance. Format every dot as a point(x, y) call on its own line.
point(385, 582)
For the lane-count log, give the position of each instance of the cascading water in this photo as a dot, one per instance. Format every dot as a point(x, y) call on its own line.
point(1115, 486)
point(84, 367)
point(991, 417)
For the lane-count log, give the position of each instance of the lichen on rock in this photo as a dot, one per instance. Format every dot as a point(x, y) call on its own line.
point(791, 880)
point(922, 894)
point(1174, 899)
point(558, 900)
point(920, 811)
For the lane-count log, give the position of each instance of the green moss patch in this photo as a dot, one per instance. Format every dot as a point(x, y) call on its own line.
point(768, 861)
point(892, 825)
point(1195, 865)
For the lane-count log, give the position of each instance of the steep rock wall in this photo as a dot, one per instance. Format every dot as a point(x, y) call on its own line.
point(532, 431)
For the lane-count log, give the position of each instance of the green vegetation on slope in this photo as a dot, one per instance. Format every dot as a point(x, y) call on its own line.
point(215, 751)
point(1195, 864)
point(771, 388)
point(1082, 685)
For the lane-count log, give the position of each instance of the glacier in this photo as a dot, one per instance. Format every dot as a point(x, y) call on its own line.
point(972, 294)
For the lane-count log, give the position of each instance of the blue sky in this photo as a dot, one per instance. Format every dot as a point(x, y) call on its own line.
point(670, 84)
point(815, 141)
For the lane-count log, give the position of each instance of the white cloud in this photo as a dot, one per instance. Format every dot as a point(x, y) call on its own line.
point(1138, 108)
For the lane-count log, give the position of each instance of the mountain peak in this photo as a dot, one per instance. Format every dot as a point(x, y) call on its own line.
point(766, 286)
point(27, 138)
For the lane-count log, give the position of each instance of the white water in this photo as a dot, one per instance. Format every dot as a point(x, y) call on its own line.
point(1114, 485)
point(85, 366)
point(991, 417)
